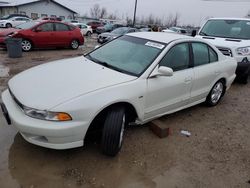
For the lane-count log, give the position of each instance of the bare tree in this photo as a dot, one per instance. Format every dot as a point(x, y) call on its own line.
point(95, 11)
point(103, 12)
point(172, 20)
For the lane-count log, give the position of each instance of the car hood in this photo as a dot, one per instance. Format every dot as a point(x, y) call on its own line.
point(225, 42)
point(6, 32)
point(46, 86)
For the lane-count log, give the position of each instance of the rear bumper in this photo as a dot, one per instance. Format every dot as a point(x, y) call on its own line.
point(49, 134)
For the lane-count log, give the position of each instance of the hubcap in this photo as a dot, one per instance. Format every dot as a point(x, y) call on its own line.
point(122, 130)
point(26, 45)
point(74, 44)
point(216, 92)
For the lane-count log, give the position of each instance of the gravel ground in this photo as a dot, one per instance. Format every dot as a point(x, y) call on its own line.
point(215, 155)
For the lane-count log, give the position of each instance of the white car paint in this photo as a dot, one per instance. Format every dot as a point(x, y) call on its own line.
point(224, 43)
point(14, 21)
point(85, 29)
point(83, 89)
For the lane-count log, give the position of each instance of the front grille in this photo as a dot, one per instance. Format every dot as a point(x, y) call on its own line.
point(226, 51)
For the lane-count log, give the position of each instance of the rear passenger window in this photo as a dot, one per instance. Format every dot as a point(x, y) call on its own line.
point(213, 55)
point(201, 54)
point(61, 27)
point(177, 57)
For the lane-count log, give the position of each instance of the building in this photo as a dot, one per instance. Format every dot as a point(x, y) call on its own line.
point(36, 9)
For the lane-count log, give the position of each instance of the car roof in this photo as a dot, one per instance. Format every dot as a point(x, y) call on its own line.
point(159, 36)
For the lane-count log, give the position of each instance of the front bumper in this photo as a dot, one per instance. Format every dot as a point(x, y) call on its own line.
point(54, 135)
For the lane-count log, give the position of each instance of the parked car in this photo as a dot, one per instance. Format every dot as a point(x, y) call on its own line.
point(232, 37)
point(176, 30)
point(14, 21)
point(85, 29)
point(44, 34)
point(95, 24)
point(6, 17)
point(145, 29)
point(105, 37)
point(134, 78)
point(107, 28)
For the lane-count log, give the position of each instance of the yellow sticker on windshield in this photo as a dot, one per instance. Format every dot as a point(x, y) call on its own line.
point(155, 45)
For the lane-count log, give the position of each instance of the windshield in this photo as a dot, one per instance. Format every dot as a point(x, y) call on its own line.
point(120, 31)
point(236, 29)
point(27, 25)
point(127, 54)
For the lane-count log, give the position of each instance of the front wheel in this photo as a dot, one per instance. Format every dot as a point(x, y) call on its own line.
point(26, 45)
point(88, 34)
point(74, 44)
point(216, 93)
point(113, 130)
point(8, 25)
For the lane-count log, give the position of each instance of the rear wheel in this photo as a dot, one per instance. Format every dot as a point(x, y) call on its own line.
point(216, 93)
point(88, 34)
point(8, 25)
point(113, 130)
point(26, 45)
point(74, 44)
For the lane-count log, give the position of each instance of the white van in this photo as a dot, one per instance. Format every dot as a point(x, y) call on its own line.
point(232, 37)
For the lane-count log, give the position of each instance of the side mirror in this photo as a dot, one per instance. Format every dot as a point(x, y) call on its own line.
point(162, 71)
point(194, 33)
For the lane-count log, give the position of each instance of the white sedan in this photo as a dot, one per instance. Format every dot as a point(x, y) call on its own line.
point(135, 78)
point(14, 21)
point(85, 29)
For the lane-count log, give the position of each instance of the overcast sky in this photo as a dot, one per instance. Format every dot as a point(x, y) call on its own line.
point(190, 11)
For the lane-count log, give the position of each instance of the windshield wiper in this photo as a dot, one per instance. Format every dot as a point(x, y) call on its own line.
point(203, 33)
point(105, 64)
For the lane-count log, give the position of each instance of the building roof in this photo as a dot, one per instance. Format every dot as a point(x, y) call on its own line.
point(16, 3)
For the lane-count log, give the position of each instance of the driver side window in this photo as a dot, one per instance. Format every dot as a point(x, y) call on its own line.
point(46, 27)
point(177, 57)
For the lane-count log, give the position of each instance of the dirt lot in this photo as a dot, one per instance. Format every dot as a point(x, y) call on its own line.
point(216, 154)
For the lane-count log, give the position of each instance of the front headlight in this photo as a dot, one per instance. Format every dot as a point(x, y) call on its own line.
point(46, 115)
point(243, 51)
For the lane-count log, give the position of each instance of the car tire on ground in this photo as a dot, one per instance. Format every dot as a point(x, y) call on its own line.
point(26, 45)
point(88, 34)
point(113, 130)
point(216, 93)
point(8, 25)
point(74, 44)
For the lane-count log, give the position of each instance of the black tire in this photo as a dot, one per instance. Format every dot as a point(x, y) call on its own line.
point(216, 93)
point(8, 25)
point(74, 44)
point(26, 45)
point(88, 34)
point(244, 79)
point(112, 135)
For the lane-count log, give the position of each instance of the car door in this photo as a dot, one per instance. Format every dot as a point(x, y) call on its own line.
point(43, 35)
point(63, 35)
point(206, 71)
point(168, 94)
point(16, 21)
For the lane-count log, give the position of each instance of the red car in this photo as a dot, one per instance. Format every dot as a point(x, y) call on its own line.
point(95, 24)
point(44, 34)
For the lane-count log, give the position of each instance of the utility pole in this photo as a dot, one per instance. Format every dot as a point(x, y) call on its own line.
point(135, 13)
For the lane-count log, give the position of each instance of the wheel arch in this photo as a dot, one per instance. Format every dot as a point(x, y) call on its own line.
point(98, 119)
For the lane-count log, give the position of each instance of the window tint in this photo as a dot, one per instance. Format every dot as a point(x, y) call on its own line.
point(177, 57)
point(46, 27)
point(200, 52)
point(213, 55)
point(61, 27)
